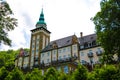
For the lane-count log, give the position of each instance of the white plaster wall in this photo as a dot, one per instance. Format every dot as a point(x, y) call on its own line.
point(66, 51)
point(86, 51)
point(74, 50)
point(46, 57)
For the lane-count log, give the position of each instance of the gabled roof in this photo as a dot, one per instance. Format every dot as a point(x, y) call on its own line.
point(88, 38)
point(60, 43)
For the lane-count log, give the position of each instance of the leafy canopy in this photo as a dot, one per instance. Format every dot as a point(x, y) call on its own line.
point(107, 25)
point(7, 22)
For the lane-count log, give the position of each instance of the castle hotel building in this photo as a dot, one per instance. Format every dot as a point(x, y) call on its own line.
point(63, 54)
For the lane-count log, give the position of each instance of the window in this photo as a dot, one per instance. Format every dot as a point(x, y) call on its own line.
point(89, 44)
point(64, 56)
point(83, 62)
point(94, 43)
point(90, 53)
point(66, 69)
point(32, 51)
point(25, 65)
point(68, 49)
point(81, 47)
point(33, 46)
point(36, 62)
point(86, 45)
point(82, 54)
point(75, 47)
point(42, 55)
point(32, 59)
point(75, 55)
point(33, 41)
point(42, 61)
point(37, 45)
point(37, 40)
point(54, 58)
point(48, 54)
point(64, 49)
point(69, 55)
point(60, 58)
point(54, 52)
point(37, 51)
point(47, 60)
point(99, 49)
point(59, 51)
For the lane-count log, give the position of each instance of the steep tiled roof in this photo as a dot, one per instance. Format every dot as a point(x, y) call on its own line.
point(60, 43)
point(88, 38)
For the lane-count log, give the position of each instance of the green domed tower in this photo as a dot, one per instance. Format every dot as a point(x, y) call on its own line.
point(40, 37)
point(41, 22)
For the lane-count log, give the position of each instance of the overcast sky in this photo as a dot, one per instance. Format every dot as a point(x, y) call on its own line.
point(63, 18)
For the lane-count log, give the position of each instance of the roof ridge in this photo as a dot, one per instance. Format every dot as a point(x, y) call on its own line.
point(61, 38)
point(88, 35)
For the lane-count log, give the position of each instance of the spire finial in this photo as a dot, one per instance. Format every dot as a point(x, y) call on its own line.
point(42, 9)
point(41, 20)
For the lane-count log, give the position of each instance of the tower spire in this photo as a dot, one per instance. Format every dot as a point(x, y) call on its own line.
point(41, 22)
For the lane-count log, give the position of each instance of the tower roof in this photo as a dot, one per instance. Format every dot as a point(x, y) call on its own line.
point(41, 22)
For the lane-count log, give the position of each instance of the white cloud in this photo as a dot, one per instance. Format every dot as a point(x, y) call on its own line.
point(63, 18)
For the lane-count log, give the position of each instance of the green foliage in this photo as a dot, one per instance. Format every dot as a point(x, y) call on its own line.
point(36, 74)
point(63, 76)
point(107, 25)
point(3, 73)
point(80, 73)
point(7, 58)
point(7, 22)
point(51, 74)
point(16, 74)
point(108, 73)
point(28, 76)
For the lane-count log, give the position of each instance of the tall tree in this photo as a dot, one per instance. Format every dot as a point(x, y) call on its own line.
point(51, 74)
point(16, 74)
point(80, 73)
point(36, 74)
point(107, 25)
point(7, 22)
point(3, 73)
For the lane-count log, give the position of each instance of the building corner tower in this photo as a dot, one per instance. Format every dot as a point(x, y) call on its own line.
point(40, 37)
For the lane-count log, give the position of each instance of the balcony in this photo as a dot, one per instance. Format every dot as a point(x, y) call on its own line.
point(36, 58)
point(42, 65)
point(36, 65)
point(54, 62)
point(47, 65)
point(90, 54)
point(74, 58)
point(64, 60)
point(25, 68)
point(83, 62)
point(98, 53)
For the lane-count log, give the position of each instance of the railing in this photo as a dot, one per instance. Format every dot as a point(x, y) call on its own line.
point(36, 58)
point(25, 69)
point(36, 65)
point(99, 53)
point(56, 62)
point(90, 54)
point(42, 65)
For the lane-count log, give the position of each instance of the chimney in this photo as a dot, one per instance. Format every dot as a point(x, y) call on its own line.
point(81, 34)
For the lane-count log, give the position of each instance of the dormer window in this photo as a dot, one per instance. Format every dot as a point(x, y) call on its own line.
point(94, 43)
point(82, 47)
point(86, 45)
point(54, 45)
